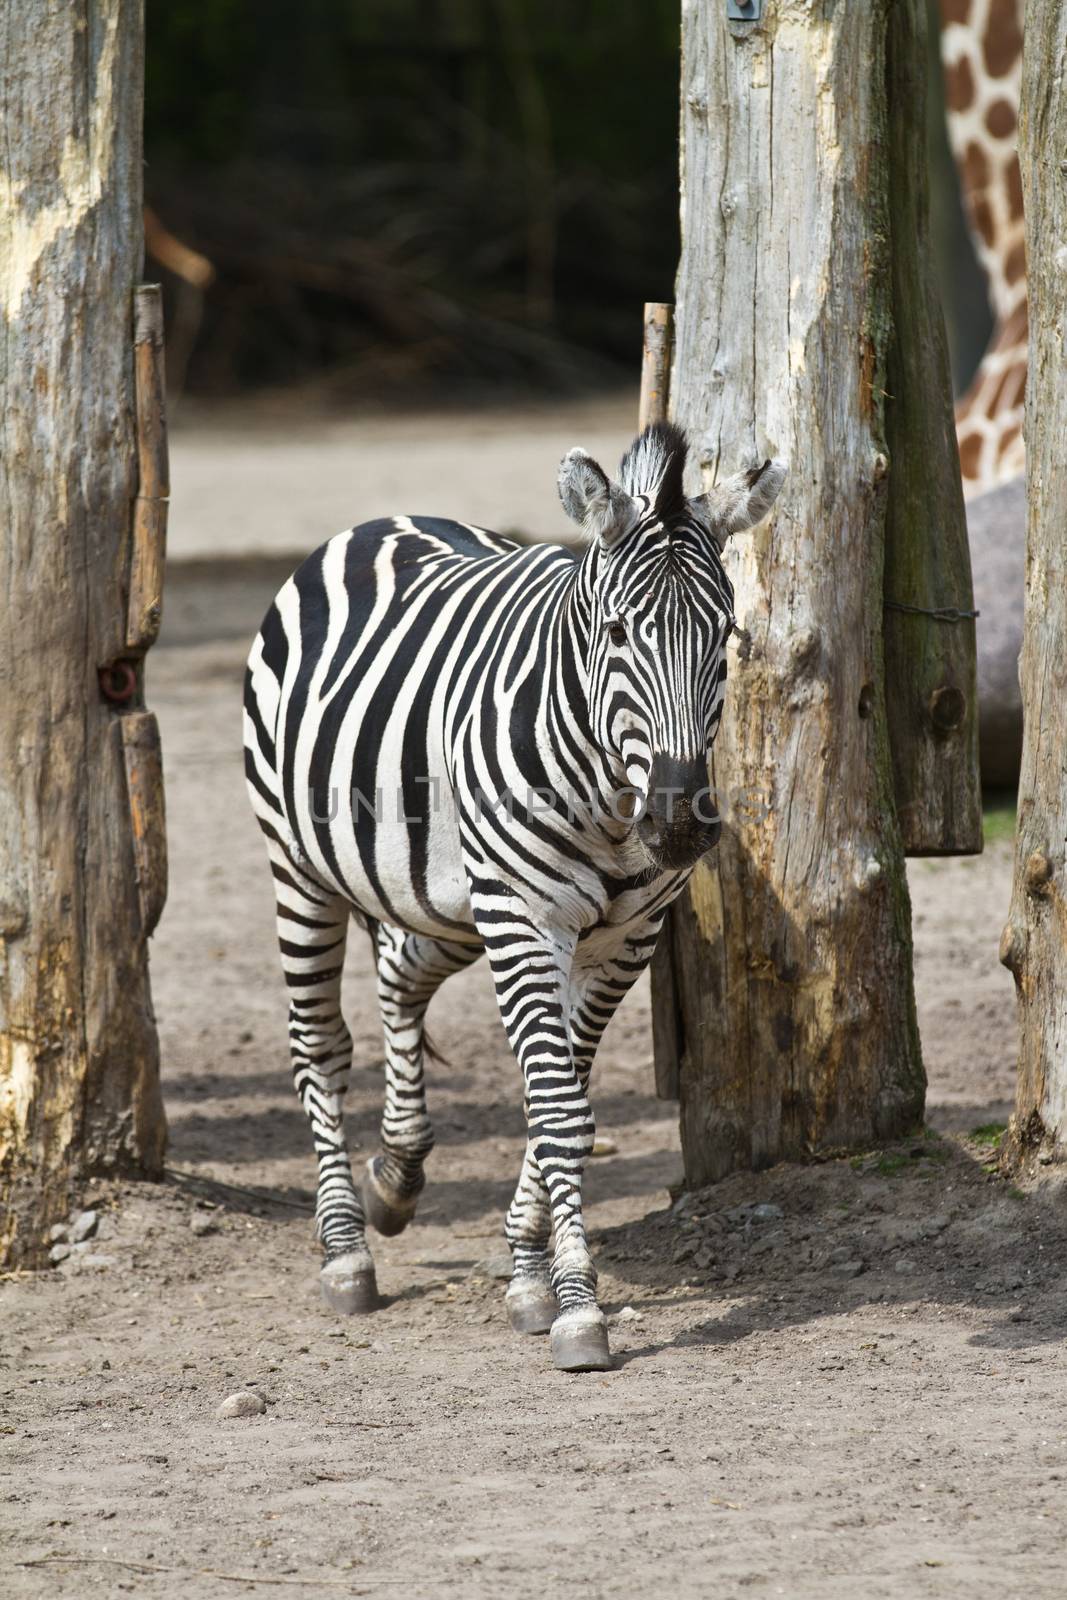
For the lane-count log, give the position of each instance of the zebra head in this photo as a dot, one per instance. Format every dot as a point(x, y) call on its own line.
point(659, 612)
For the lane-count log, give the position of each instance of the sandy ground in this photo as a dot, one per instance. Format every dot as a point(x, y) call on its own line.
point(856, 1390)
point(264, 479)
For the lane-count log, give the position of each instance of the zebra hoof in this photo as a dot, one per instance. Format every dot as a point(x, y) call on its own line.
point(348, 1284)
point(531, 1305)
point(579, 1340)
point(385, 1210)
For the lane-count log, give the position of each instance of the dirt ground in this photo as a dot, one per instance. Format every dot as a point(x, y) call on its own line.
point(844, 1380)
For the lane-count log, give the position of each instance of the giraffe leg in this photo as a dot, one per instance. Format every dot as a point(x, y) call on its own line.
point(312, 931)
point(411, 967)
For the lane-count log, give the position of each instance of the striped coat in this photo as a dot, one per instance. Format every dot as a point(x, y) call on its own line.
point(475, 746)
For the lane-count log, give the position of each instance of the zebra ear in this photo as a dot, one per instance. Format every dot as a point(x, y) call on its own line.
point(601, 508)
point(741, 501)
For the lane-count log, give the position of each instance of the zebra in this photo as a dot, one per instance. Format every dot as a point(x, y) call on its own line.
point(468, 745)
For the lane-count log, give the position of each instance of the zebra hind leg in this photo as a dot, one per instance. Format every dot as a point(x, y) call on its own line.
point(411, 968)
point(312, 931)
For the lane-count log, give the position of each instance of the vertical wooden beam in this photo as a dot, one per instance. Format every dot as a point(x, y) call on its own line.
point(930, 661)
point(1034, 944)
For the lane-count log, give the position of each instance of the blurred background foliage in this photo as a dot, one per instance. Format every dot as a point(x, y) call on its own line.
point(399, 194)
point(405, 198)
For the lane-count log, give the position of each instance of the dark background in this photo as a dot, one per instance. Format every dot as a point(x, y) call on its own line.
point(407, 200)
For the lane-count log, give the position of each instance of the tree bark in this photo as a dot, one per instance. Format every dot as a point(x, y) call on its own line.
point(930, 661)
point(1034, 945)
point(79, 1088)
point(790, 1006)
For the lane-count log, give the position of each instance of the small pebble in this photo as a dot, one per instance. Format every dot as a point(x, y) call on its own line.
point(766, 1212)
point(202, 1224)
point(83, 1226)
point(627, 1314)
point(848, 1269)
point(58, 1253)
point(605, 1147)
point(902, 1264)
point(245, 1403)
point(57, 1233)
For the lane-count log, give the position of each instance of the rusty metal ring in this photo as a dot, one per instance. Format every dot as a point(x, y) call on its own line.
point(118, 682)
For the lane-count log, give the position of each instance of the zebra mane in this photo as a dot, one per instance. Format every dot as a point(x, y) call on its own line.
point(654, 466)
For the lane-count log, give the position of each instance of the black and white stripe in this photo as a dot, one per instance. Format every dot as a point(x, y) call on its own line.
point(473, 746)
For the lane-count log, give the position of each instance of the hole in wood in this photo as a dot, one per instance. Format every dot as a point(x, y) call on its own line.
point(947, 708)
point(866, 700)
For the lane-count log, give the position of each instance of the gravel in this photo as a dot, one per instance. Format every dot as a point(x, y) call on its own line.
point(243, 1403)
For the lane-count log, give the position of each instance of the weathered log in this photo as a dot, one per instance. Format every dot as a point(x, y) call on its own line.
point(794, 1018)
point(78, 1053)
point(145, 610)
point(1034, 945)
point(930, 666)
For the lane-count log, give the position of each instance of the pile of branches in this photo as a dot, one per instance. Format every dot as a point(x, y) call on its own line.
point(401, 278)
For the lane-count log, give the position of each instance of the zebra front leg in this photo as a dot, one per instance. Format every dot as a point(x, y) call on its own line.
point(312, 931)
point(595, 996)
point(531, 1301)
point(411, 968)
point(531, 972)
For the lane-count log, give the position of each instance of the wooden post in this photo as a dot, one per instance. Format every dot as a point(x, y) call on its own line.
point(930, 662)
point(654, 406)
point(791, 1010)
point(1034, 945)
point(79, 1085)
point(145, 608)
point(656, 364)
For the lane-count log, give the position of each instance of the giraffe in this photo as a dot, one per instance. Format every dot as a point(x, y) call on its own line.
point(981, 53)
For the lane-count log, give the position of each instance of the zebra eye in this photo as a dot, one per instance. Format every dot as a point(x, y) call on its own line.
point(616, 633)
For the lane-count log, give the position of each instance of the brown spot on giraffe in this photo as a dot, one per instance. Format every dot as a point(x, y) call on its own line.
point(1002, 41)
point(970, 453)
point(1015, 266)
point(975, 168)
point(1000, 119)
point(983, 218)
point(959, 85)
point(955, 11)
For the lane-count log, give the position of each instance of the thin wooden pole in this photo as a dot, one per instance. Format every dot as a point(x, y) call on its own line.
point(656, 364)
point(145, 611)
point(657, 350)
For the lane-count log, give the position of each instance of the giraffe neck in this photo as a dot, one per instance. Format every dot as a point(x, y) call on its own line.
point(981, 50)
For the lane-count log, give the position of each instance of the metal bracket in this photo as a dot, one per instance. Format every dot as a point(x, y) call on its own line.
point(744, 10)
